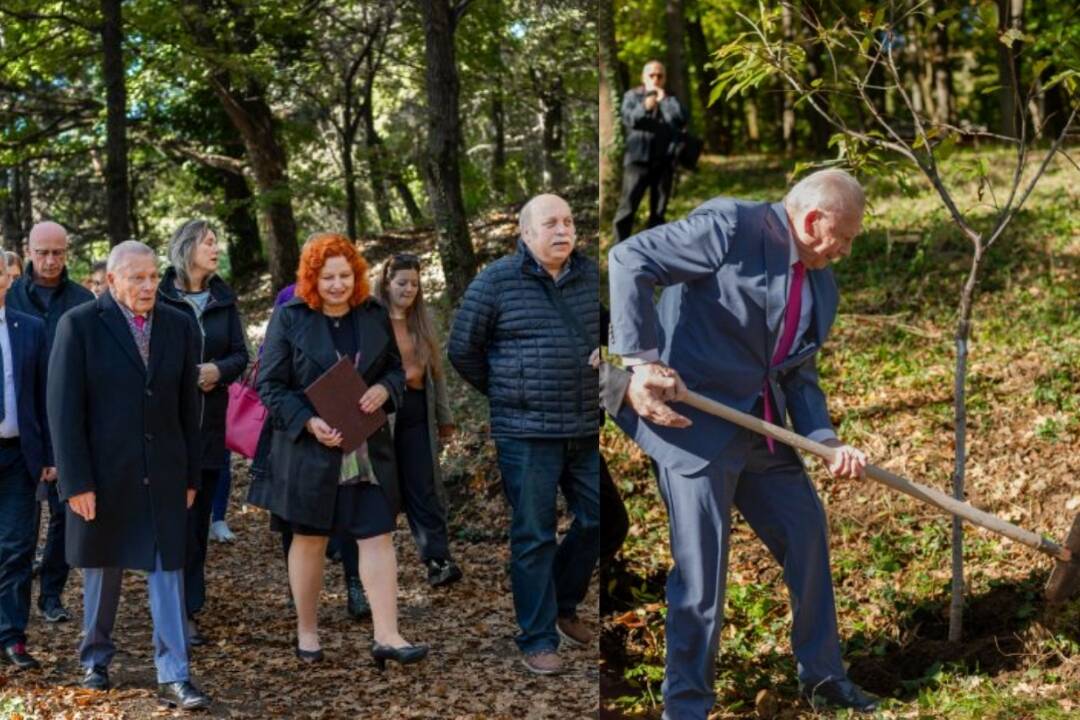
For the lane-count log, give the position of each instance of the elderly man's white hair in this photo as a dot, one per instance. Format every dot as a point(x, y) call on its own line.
point(827, 190)
point(124, 252)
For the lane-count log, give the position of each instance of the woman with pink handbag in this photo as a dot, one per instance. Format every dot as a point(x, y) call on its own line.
point(192, 286)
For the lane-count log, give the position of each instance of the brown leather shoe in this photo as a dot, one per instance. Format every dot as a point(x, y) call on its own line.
point(573, 631)
point(545, 662)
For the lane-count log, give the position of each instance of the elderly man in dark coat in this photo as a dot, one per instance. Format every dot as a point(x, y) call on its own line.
point(124, 414)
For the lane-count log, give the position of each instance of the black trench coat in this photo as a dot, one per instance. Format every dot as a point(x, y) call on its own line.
point(302, 475)
point(128, 432)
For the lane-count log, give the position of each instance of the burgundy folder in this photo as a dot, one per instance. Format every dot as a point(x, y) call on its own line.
point(336, 396)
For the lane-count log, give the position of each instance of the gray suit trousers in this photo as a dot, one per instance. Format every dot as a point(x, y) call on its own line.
point(774, 494)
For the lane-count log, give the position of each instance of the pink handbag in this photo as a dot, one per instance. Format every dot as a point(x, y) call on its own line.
point(245, 416)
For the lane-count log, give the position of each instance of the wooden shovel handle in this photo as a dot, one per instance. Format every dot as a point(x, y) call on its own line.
point(927, 494)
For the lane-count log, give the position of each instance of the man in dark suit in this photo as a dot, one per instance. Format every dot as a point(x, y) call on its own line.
point(748, 301)
point(46, 292)
point(25, 458)
point(124, 414)
point(654, 121)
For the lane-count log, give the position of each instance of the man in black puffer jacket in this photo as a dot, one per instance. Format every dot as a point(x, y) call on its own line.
point(527, 336)
point(46, 292)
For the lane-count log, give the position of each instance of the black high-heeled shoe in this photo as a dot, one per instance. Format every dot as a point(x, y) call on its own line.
point(308, 656)
point(406, 655)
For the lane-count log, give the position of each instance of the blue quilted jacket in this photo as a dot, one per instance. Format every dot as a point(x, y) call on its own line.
point(510, 341)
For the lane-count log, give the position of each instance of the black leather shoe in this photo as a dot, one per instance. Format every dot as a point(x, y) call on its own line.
point(406, 655)
point(182, 694)
point(442, 572)
point(96, 678)
point(16, 655)
point(195, 637)
point(357, 604)
point(839, 694)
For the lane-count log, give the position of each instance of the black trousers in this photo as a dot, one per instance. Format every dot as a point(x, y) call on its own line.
point(198, 534)
point(18, 525)
point(614, 522)
point(416, 469)
point(54, 567)
point(637, 178)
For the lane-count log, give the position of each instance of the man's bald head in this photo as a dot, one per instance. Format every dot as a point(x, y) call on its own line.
point(48, 243)
point(547, 229)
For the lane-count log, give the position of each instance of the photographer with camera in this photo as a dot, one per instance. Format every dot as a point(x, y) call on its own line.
point(655, 123)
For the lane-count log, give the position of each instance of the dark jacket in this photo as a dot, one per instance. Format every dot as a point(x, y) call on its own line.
point(651, 136)
point(126, 431)
point(30, 361)
point(511, 342)
point(302, 478)
point(222, 343)
point(68, 294)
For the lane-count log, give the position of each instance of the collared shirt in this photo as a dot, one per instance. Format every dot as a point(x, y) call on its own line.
point(140, 335)
point(9, 428)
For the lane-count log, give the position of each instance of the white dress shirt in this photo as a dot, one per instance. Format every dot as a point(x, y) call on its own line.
point(9, 428)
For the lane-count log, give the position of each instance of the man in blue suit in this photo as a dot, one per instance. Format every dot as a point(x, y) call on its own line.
point(25, 458)
point(748, 301)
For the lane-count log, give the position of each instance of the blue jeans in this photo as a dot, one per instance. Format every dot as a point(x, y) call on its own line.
point(549, 578)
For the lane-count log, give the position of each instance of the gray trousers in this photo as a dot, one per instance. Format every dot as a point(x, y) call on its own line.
point(101, 597)
point(781, 505)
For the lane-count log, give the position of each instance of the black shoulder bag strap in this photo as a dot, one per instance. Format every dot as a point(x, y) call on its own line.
point(568, 316)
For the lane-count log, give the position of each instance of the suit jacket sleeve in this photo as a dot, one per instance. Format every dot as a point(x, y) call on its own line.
point(613, 384)
point(670, 254)
point(806, 402)
point(635, 116)
point(473, 328)
point(275, 382)
point(232, 365)
point(189, 403)
point(67, 410)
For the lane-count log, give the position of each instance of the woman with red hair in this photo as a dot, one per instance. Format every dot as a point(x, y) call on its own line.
point(315, 490)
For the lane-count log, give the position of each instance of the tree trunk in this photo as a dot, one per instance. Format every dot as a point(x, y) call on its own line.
point(441, 167)
point(678, 80)
point(245, 248)
point(819, 126)
point(348, 170)
point(116, 170)
point(716, 133)
point(963, 333)
point(944, 105)
point(1010, 17)
point(416, 215)
point(9, 217)
point(375, 159)
point(610, 90)
point(552, 102)
point(787, 113)
point(498, 127)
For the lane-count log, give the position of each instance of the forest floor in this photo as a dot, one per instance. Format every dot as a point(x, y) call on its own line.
point(888, 370)
point(248, 667)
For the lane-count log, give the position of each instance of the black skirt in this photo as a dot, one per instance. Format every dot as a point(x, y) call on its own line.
point(360, 511)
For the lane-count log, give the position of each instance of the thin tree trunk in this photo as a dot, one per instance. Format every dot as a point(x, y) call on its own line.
point(678, 81)
point(963, 334)
point(552, 102)
point(375, 159)
point(8, 210)
point(787, 114)
point(1010, 17)
point(245, 248)
point(498, 127)
point(442, 165)
point(416, 215)
point(610, 91)
point(717, 136)
point(116, 170)
point(348, 169)
point(944, 105)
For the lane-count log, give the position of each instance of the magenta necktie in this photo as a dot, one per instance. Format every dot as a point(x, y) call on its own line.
point(791, 326)
point(140, 321)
